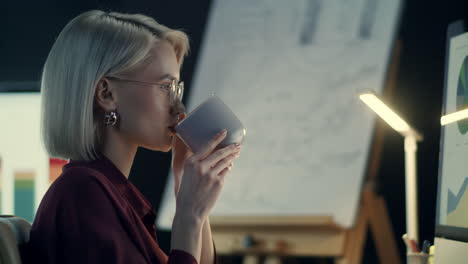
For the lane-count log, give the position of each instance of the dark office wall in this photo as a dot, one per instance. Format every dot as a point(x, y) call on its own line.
point(28, 30)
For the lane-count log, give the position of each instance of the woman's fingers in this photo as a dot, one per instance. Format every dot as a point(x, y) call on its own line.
point(224, 172)
point(220, 154)
point(225, 163)
point(214, 142)
point(179, 154)
point(203, 177)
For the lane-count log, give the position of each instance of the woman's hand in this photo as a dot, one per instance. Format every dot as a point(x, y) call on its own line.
point(180, 152)
point(203, 178)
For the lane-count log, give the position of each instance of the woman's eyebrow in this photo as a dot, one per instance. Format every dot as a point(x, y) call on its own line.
point(168, 76)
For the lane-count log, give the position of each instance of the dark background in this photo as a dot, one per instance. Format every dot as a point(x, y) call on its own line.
point(29, 28)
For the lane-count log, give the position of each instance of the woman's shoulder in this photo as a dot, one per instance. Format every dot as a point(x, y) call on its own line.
point(78, 175)
point(73, 179)
point(72, 185)
point(81, 186)
point(90, 180)
point(67, 192)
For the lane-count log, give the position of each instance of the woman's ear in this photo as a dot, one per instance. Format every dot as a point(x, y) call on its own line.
point(105, 95)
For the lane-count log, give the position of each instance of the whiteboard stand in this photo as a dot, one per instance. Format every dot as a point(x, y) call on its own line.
point(308, 236)
point(275, 237)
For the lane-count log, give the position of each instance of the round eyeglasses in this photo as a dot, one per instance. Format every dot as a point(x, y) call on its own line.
point(175, 90)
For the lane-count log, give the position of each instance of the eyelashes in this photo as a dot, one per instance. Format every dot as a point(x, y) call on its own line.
point(166, 86)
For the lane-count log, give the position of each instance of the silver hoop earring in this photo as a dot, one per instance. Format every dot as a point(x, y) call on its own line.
point(110, 119)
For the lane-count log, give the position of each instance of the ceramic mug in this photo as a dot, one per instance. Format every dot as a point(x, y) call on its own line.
point(208, 119)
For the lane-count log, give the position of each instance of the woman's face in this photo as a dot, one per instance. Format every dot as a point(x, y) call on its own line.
point(146, 113)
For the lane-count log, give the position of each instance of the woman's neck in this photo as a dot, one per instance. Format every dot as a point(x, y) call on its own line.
point(120, 152)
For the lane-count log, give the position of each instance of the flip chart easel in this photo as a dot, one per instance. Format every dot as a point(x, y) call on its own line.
point(316, 236)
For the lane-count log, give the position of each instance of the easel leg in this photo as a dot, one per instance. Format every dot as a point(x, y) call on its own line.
point(273, 260)
point(251, 259)
point(355, 240)
point(382, 231)
point(374, 215)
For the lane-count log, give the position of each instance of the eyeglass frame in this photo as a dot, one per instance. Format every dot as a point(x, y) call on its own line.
point(176, 90)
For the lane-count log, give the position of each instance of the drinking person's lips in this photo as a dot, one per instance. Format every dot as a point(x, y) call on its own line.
point(177, 120)
point(172, 128)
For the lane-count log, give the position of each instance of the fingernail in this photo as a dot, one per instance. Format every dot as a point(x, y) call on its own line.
point(237, 144)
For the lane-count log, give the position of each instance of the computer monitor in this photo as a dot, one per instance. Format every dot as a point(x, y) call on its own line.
point(451, 241)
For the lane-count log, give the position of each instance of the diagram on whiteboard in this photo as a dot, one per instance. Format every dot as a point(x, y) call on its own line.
point(292, 72)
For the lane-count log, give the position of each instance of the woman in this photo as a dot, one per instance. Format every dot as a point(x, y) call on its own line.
point(110, 85)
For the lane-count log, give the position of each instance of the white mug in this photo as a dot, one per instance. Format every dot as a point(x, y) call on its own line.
point(208, 119)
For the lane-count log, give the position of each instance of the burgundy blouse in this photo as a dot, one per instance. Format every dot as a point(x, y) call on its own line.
point(93, 214)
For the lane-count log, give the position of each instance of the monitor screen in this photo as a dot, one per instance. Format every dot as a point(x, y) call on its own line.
point(452, 201)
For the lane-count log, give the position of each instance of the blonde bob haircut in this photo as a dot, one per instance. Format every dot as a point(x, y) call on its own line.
point(91, 46)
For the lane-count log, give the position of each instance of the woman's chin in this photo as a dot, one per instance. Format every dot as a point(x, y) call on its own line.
point(163, 147)
point(167, 148)
point(169, 144)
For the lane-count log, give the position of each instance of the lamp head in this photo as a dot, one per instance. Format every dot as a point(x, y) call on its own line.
point(388, 115)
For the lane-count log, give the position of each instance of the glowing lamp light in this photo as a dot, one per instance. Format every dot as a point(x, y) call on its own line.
point(454, 117)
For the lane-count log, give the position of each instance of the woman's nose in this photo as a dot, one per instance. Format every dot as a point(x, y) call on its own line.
point(177, 108)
